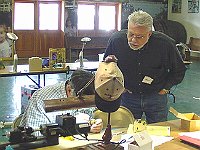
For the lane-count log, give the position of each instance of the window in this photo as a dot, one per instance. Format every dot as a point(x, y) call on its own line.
point(97, 18)
point(24, 16)
point(106, 17)
point(24, 21)
point(48, 18)
point(86, 15)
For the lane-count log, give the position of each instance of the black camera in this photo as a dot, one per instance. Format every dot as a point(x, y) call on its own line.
point(69, 126)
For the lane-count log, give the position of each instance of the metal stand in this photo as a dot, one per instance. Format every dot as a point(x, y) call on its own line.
point(81, 55)
point(106, 144)
point(108, 133)
point(81, 58)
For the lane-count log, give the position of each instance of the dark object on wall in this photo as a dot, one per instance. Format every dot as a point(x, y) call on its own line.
point(173, 29)
point(193, 6)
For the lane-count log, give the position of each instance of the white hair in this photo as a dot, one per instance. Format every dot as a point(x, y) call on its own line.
point(141, 18)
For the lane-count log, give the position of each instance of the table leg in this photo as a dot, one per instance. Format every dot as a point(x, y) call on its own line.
point(38, 84)
point(44, 79)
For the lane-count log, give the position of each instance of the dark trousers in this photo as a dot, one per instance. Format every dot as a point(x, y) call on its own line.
point(154, 106)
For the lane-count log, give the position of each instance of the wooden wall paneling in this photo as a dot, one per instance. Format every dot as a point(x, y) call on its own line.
point(50, 39)
point(25, 45)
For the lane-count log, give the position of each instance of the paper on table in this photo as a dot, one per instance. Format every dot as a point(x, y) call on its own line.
point(195, 134)
point(158, 140)
point(128, 138)
point(158, 130)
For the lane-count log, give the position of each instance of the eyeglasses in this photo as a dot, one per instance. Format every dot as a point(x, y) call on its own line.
point(138, 37)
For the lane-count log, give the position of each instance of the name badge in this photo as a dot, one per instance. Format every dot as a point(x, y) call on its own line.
point(147, 80)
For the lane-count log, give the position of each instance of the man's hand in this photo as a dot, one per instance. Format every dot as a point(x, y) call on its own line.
point(97, 126)
point(69, 91)
point(111, 58)
point(163, 92)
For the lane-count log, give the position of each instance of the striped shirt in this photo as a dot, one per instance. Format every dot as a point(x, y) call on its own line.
point(35, 115)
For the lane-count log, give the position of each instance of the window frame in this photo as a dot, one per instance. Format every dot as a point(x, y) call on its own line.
point(58, 25)
point(36, 4)
point(14, 17)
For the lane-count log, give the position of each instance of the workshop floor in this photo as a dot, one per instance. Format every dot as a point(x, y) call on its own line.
point(187, 93)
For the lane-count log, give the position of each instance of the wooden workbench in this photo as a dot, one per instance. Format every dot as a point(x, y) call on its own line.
point(174, 144)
